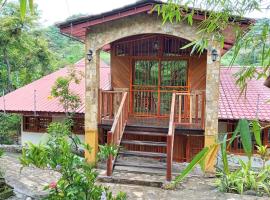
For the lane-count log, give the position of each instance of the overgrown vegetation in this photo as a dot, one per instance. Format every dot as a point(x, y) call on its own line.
point(9, 127)
point(78, 177)
point(244, 178)
point(251, 47)
point(28, 51)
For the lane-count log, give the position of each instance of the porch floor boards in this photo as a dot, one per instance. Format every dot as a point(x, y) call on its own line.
point(153, 122)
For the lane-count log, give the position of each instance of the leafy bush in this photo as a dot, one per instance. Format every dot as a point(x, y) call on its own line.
point(78, 176)
point(9, 124)
point(243, 179)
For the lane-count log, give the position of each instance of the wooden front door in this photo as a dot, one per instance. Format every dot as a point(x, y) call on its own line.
point(153, 83)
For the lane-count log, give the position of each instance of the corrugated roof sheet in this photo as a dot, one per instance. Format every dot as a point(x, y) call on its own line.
point(232, 105)
point(22, 99)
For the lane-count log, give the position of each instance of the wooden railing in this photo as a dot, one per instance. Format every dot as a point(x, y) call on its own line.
point(186, 109)
point(115, 134)
point(109, 102)
point(190, 109)
point(170, 140)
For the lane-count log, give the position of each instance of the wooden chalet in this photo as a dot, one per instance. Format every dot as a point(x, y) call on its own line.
point(164, 100)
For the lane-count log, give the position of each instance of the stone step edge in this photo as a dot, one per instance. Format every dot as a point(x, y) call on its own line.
point(116, 180)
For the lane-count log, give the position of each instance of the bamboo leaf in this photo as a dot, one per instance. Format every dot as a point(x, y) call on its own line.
point(245, 137)
point(234, 135)
point(23, 8)
point(31, 5)
point(224, 155)
point(210, 157)
point(256, 128)
point(196, 160)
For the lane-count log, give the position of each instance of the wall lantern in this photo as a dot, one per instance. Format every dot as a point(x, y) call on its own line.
point(267, 82)
point(156, 45)
point(89, 55)
point(214, 55)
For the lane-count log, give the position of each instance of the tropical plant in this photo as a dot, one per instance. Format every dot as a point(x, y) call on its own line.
point(245, 178)
point(221, 16)
point(61, 90)
point(78, 177)
point(9, 126)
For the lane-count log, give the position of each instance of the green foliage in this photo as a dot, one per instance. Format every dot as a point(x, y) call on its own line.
point(24, 53)
point(61, 89)
point(195, 161)
point(66, 50)
point(251, 46)
point(243, 179)
point(9, 125)
point(78, 177)
point(106, 150)
point(28, 52)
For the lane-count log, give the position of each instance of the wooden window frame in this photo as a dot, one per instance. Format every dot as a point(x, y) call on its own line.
point(78, 126)
point(36, 123)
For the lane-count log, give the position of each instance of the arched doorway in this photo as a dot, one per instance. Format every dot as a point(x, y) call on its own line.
point(158, 66)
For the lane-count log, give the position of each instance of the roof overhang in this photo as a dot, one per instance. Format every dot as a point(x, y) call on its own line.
point(77, 28)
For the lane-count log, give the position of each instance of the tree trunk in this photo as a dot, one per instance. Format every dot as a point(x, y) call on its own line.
point(9, 82)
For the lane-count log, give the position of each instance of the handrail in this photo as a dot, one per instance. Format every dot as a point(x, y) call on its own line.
point(114, 136)
point(108, 101)
point(170, 140)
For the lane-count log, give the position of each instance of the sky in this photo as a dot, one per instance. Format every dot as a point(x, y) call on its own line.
point(58, 10)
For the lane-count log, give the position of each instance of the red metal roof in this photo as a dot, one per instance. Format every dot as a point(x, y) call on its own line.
point(22, 99)
point(234, 106)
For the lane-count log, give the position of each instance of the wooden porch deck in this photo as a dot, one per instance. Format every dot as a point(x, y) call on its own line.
point(160, 124)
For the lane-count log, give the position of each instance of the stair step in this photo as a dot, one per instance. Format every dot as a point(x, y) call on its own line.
point(146, 133)
point(142, 165)
point(143, 154)
point(147, 143)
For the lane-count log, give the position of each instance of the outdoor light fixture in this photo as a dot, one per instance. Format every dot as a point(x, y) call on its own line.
point(214, 55)
point(267, 82)
point(89, 55)
point(156, 45)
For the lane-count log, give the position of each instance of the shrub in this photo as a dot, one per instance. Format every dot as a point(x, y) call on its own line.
point(78, 180)
point(9, 124)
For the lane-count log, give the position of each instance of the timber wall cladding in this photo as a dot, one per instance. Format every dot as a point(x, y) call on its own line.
point(121, 67)
point(120, 70)
point(185, 147)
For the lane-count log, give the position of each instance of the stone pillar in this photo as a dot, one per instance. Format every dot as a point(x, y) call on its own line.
point(212, 101)
point(91, 102)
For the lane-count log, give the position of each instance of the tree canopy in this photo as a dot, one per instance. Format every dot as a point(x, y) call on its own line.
point(27, 51)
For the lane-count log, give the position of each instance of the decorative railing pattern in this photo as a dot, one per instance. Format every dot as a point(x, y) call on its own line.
point(190, 109)
point(109, 102)
point(115, 134)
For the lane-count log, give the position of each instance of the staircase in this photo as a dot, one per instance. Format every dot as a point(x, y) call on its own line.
point(142, 151)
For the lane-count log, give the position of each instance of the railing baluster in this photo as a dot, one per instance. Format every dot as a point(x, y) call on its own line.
point(190, 108)
point(180, 109)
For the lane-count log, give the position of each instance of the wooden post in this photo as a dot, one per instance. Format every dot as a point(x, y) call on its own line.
point(180, 109)
point(203, 112)
point(110, 159)
point(188, 149)
point(169, 158)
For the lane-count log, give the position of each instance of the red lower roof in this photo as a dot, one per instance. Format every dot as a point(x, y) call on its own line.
point(232, 105)
point(22, 99)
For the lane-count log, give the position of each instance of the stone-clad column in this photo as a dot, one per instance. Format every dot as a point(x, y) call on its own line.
point(91, 102)
point(212, 101)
